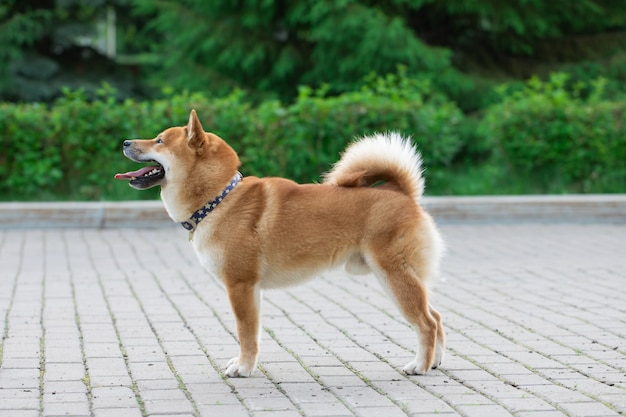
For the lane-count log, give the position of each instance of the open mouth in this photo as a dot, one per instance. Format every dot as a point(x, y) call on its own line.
point(145, 177)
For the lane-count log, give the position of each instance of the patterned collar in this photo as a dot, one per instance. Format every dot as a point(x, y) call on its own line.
point(203, 211)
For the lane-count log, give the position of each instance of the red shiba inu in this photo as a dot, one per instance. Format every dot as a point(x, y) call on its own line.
point(259, 233)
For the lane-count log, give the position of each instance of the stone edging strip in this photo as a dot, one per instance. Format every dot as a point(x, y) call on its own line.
point(579, 208)
point(588, 208)
point(84, 215)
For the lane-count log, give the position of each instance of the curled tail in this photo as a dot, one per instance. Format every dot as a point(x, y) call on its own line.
point(382, 157)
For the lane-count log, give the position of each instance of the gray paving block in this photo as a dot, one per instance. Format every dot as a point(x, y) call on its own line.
point(168, 406)
point(19, 413)
point(113, 397)
point(19, 378)
point(233, 410)
point(117, 412)
point(76, 409)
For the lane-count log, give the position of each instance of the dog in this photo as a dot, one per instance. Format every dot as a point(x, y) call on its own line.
point(260, 233)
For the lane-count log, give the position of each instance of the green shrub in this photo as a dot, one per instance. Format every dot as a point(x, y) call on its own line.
point(30, 158)
point(72, 149)
point(541, 137)
point(312, 132)
point(557, 139)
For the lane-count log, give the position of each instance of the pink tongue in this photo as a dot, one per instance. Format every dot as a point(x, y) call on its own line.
point(134, 174)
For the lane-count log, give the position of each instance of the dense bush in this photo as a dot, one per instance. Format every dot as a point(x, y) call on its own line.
point(312, 132)
point(72, 149)
point(553, 136)
point(559, 140)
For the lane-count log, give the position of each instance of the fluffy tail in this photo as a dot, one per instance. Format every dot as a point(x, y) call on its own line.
point(382, 157)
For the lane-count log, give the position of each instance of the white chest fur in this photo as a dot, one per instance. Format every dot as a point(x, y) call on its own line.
point(210, 255)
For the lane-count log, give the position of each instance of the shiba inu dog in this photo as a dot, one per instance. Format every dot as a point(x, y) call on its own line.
point(260, 233)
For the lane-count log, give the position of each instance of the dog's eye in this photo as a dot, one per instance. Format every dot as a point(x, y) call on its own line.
point(159, 140)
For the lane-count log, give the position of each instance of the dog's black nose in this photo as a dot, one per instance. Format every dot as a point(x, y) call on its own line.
point(127, 143)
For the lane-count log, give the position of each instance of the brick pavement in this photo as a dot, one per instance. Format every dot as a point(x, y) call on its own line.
point(123, 322)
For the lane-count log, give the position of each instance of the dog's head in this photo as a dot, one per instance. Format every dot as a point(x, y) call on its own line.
point(177, 155)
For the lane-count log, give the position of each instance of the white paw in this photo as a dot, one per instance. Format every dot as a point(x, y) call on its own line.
point(415, 368)
point(234, 369)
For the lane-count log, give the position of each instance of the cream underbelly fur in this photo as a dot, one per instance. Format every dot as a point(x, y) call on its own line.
point(274, 276)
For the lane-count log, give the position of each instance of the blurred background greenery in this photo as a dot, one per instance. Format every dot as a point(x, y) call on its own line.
point(501, 96)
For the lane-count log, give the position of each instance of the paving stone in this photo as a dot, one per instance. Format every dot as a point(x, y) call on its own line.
point(269, 404)
point(117, 412)
point(553, 413)
point(168, 406)
point(108, 349)
point(19, 378)
point(230, 410)
point(113, 397)
point(391, 411)
point(481, 410)
point(64, 372)
point(110, 381)
point(278, 413)
point(156, 384)
point(19, 399)
point(588, 408)
point(427, 407)
point(22, 347)
point(20, 363)
point(58, 387)
point(75, 409)
point(325, 409)
point(158, 394)
point(107, 367)
point(63, 397)
point(19, 413)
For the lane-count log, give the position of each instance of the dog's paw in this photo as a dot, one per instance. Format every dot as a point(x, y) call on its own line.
point(415, 368)
point(235, 369)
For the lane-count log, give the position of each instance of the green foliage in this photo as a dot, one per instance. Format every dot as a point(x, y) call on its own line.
point(30, 159)
point(290, 83)
point(613, 72)
point(270, 48)
point(315, 129)
point(519, 27)
point(562, 141)
point(19, 29)
point(46, 46)
point(73, 148)
point(544, 136)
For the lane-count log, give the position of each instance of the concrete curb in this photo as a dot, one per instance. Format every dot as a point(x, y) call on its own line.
point(578, 208)
point(99, 215)
point(598, 208)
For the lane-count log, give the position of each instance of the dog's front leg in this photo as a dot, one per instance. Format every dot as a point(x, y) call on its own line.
point(245, 300)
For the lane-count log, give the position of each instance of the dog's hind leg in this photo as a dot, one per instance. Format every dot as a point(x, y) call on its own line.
point(245, 299)
point(410, 295)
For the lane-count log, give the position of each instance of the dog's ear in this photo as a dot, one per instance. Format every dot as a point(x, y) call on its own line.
point(195, 133)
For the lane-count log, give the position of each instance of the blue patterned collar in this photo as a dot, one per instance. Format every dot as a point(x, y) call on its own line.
point(203, 211)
